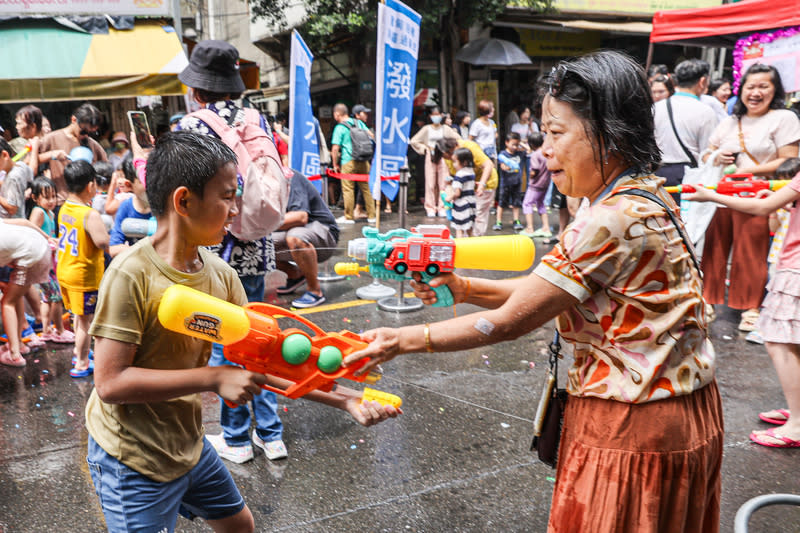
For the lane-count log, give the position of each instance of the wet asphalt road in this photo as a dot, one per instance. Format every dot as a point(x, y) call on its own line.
point(457, 460)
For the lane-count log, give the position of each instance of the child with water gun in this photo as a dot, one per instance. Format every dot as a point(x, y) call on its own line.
point(780, 309)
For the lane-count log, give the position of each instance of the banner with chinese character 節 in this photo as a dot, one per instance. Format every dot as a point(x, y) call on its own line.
point(303, 146)
point(396, 72)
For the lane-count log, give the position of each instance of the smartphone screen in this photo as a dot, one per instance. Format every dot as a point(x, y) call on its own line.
point(138, 121)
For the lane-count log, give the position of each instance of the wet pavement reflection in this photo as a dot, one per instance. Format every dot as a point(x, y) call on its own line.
point(457, 460)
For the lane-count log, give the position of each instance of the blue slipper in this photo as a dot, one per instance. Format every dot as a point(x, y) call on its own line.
point(91, 358)
point(88, 371)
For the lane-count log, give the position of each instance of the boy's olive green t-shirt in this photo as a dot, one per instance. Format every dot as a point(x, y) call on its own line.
point(162, 440)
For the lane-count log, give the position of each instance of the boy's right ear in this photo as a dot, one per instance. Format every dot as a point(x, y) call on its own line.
point(180, 200)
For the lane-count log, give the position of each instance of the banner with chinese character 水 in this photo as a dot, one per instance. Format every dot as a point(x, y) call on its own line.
point(396, 72)
point(303, 146)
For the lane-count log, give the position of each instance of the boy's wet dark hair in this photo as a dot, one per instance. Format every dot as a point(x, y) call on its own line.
point(788, 169)
point(464, 157)
point(185, 159)
point(513, 136)
point(535, 140)
point(608, 90)
point(78, 175)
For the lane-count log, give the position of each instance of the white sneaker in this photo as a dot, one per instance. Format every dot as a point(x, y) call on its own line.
point(275, 449)
point(234, 454)
point(370, 221)
point(344, 220)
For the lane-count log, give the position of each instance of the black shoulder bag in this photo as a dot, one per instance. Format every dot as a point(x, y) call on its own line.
point(550, 411)
point(692, 160)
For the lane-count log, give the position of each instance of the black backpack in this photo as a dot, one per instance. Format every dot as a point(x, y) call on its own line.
point(363, 145)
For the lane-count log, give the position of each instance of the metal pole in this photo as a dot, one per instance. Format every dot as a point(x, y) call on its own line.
point(375, 290)
point(326, 275)
point(400, 304)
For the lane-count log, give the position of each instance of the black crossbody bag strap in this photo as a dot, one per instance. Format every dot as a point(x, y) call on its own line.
point(692, 160)
point(653, 198)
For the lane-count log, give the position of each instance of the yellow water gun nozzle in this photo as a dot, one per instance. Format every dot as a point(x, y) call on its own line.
point(350, 269)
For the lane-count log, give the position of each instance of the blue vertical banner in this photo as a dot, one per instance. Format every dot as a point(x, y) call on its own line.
point(303, 146)
point(396, 73)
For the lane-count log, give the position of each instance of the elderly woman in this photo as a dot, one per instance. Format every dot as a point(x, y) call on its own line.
point(759, 136)
point(641, 447)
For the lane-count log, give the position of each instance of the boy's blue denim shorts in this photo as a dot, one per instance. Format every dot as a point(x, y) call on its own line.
point(133, 502)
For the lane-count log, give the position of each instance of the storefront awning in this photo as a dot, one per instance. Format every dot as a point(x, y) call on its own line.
point(634, 28)
point(46, 62)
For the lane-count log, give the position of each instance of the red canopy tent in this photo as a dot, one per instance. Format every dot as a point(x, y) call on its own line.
point(722, 26)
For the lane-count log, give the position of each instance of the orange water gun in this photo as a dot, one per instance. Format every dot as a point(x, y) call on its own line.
point(253, 339)
point(741, 185)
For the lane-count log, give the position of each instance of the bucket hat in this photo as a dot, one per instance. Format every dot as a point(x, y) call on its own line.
point(213, 67)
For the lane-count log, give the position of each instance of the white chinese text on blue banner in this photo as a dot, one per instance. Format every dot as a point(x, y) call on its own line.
point(396, 72)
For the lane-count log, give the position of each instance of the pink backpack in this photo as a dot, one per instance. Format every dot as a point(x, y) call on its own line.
point(265, 195)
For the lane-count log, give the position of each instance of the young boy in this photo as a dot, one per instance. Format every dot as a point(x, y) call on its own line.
point(146, 445)
point(137, 206)
point(80, 262)
point(511, 162)
point(538, 182)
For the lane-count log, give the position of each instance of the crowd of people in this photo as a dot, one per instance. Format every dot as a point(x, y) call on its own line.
point(644, 403)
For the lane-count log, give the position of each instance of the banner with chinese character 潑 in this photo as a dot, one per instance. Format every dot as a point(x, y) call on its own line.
point(396, 72)
point(303, 146)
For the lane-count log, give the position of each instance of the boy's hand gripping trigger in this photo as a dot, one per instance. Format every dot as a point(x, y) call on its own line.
point(253, 339)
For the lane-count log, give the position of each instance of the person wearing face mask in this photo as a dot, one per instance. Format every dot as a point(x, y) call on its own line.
point(424, 143)
point(119, 149)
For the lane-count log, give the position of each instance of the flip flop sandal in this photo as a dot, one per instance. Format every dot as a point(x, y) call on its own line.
point(86, 372)
point(5, 359)
point(91, 358)
point(776, 421)
point(785, 442)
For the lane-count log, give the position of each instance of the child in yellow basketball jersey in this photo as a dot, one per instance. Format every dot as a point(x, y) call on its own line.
point(82, 240)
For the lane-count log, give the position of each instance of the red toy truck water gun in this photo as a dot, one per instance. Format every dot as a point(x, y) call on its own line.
point(741, 185)
point(252, 338)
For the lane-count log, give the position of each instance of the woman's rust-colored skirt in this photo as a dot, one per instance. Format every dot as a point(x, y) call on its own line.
point(640, 468)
